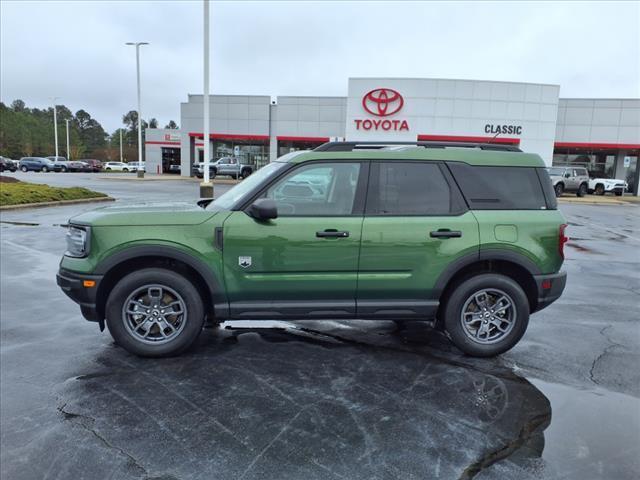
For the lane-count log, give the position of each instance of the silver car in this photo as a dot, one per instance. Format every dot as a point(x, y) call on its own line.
point(569, 179)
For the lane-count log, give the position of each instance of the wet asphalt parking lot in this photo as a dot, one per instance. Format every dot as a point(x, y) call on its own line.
point(321, 399)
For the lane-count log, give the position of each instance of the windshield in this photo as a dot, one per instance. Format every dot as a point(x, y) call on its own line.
point(556, 171)
point(237, 193)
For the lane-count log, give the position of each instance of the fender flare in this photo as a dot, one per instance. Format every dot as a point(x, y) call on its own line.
point(483, 255)
point(212, 283)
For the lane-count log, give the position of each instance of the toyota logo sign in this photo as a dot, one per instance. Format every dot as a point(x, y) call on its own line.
point(382, 102)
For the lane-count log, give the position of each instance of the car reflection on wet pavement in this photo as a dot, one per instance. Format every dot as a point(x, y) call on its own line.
point(321, 399)
point(308, 400)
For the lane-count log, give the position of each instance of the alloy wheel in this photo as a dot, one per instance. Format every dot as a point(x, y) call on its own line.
point(488, 316)
point(154, 314)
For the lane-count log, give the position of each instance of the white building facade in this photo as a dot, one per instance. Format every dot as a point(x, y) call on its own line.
point(602, 134)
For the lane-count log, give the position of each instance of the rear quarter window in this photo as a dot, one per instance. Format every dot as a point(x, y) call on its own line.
point(499, 188)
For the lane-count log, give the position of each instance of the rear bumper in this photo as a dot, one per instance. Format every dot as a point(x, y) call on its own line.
point(550, 288)
point(72, 285)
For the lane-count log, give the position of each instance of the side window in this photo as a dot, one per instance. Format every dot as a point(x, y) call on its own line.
point(327, 189)
point(409, 188)
point(499, 188)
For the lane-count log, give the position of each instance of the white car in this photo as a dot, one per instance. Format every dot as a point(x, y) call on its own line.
point(602, 185)
point(118, 167)
point(135, 166)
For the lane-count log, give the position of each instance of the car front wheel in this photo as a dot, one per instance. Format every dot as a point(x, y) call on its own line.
point(559, 189)
point(486, 315)
point(599, 189)
point(155, 312)
point(24, 169)
point(45, 169)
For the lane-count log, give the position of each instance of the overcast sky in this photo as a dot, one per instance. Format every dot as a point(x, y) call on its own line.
point(75, 49)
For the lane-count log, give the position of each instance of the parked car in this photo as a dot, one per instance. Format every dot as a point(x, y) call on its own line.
point(118, 167)
point(135, 166)
point(62, 162)
point(78, 166)
point(569, 179)
point(7, 164)
point(412, 233)
point(38, 164)
point(174, 168)
point(601, 185)
point(224, 166)
point(95, 165)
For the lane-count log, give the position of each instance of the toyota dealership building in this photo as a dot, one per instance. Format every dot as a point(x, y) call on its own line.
point(603, 134)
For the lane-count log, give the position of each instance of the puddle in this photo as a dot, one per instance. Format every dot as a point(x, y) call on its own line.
point(22, 224)
point(581, 248)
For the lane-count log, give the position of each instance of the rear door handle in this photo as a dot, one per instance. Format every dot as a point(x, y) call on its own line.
point(445, 233)
point(332, 233)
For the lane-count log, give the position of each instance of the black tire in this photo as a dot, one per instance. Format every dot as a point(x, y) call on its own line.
point(582, 190)
point(463, 292)
point(24, 169)
point(125, 169)
point(194, 310)
point(44, 169)
point(599, 189)
point(559, 189)
point(212, 174)
point(245, 173)
point(64, 169)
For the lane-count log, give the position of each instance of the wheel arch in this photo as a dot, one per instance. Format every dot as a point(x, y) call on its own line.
point(511, 264)
point(115, 267)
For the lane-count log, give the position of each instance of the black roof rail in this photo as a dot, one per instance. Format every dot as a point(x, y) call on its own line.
point(351, 146)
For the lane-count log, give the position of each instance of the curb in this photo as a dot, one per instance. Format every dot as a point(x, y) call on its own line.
point(56, 203)
point(172, 178)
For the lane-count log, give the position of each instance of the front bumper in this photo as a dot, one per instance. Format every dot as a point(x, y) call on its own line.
point(72, 284)
point(550, 287)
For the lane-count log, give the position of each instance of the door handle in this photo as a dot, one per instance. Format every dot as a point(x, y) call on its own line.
point(445, 233)
point(332, 233)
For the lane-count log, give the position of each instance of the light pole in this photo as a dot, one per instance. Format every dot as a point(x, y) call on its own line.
point(137, 45)
point(68, 151)
point(55, 122)
point(120, 145)
point(206, 187)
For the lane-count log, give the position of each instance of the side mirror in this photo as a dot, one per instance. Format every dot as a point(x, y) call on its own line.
point(263, 209)
point(204, 202)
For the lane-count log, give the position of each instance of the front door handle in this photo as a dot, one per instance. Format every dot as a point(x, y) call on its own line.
point(332, 233)
point(445, 233)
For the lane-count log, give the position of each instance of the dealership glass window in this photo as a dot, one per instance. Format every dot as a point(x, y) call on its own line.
point(406, 188)
point(170, 157)
point(287, 146)
point(327, 189)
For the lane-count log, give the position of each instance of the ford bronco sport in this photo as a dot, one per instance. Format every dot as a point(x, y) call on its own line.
point(468, 235)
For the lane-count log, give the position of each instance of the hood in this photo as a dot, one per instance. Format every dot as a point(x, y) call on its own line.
point(142, 214)
point(607, 180)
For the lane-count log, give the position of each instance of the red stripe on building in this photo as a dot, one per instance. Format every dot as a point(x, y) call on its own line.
point(458, 138)
point(613, 146)
point(288, 138)
point(153, 142)
point(230, 136)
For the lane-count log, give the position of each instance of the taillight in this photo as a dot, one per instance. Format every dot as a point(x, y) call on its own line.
point(562, 239)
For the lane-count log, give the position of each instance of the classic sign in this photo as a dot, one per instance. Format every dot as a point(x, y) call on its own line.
point(503, 129)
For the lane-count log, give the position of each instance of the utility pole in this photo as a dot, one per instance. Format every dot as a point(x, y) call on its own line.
point(68, 151)
point(137, 45)
point(120, 145)
point(206, 187)
point(55, 123)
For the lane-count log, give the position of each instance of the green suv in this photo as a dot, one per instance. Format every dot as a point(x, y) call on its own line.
point(466, 234)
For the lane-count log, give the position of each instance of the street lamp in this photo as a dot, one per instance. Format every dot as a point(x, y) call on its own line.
point(206, 187)
point(68, 152)
point(55, 122)
point(137, 45)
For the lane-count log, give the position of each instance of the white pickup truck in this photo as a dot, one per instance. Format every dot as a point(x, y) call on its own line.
point(602, 185)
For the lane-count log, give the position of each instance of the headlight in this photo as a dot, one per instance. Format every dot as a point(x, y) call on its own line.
point(78, 241)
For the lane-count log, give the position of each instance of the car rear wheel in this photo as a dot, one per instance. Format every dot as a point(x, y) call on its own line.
point(45, 169)
point(24, 169)
point(155, 312)
point(582, 190)
point(125, 169)
point(63, 169)
point(559, 189)
point(486, 315)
